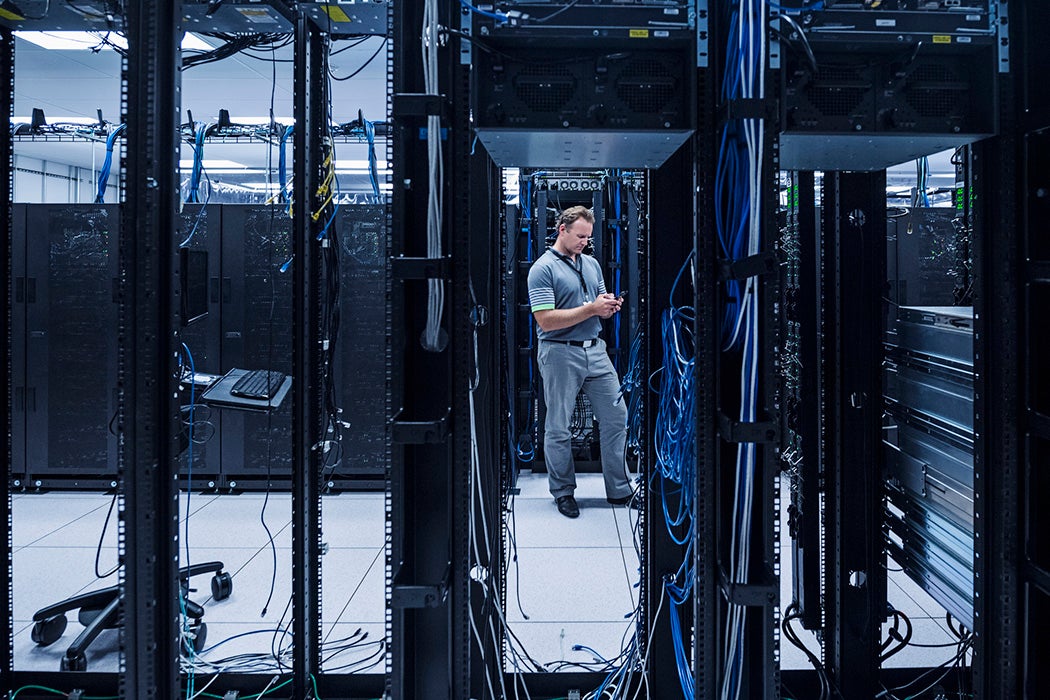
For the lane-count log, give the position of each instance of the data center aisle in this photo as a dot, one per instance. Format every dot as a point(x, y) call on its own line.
point(576, 579)
point(55, 537)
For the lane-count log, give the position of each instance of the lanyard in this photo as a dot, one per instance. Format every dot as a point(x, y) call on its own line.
point(577, 270)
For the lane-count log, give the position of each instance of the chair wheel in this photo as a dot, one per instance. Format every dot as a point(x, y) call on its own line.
point(48, 631)
point(76, 663)
point(221, 586)
point(87, 615)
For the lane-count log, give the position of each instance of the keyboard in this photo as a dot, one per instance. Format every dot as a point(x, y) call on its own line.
point(258, 384)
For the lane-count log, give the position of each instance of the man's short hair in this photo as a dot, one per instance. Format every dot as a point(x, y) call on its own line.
point(573, 214)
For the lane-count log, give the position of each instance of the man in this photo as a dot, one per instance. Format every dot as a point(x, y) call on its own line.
point(568, 299)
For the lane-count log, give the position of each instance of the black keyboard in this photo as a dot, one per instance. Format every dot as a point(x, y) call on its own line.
point(258, 384)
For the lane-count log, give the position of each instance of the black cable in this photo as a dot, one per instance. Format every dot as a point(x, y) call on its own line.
point(514, 556)
point(382, 45)
point(792, 614)
point(98, 550)
point(270, 271)
point(805, 41)
point(964, 646)
point(902, 641)
point(541, 20)
point(234, 44)
point(357, 41)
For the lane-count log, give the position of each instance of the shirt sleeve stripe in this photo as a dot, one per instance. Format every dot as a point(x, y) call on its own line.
point(542, 307)
point(541, 296)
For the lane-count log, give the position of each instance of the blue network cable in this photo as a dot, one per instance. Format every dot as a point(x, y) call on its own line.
point(805, 7)
point(373, 170)
point(498, 16)
point(737, 204)
point(674, 443)
point(107, 164)
point(193, 195)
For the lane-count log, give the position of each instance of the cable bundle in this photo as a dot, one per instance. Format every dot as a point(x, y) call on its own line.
point(193, 195)
point(629, 390)
point(234, 44)
point(675, 449)
point(103, 175)
point(738, 220)
point(431, 41)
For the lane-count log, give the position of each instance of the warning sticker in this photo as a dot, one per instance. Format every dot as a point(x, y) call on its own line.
point(942, 39)
point(256, 15)
point(335, 13)
point(639, 33)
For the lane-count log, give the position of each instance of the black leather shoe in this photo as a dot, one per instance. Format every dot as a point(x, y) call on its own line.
point(631, 501)
point(567, 506)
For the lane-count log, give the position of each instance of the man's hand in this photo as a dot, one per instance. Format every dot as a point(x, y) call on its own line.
point(555, 319)
point(606, 305)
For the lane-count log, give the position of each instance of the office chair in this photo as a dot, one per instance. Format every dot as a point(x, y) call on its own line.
point(100, 610)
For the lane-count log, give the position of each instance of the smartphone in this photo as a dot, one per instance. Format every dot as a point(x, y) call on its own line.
point(622, 295)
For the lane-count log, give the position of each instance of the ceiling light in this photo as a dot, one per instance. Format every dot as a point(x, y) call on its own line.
point(82, 41)
point(213, 163)
point(192, 42)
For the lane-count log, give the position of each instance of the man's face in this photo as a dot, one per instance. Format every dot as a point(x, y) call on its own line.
point(575, 237)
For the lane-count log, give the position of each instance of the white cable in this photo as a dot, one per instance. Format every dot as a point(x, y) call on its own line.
point(436, 175)
point(751, 33)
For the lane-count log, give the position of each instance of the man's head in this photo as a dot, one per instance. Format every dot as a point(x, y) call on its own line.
point(575, 225)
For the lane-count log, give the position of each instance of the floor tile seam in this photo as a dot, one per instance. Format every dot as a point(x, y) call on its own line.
point(360, 583)
point(61, 527)
point(919, 605)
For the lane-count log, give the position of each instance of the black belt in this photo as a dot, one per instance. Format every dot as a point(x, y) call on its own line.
point(576, 343)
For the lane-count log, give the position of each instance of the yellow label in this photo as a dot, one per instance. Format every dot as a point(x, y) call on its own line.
point(639, 34)
point(335, 13)
point(7, 14)
point(942, 39)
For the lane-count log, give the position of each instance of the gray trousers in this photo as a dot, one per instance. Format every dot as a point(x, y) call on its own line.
point(566, 370)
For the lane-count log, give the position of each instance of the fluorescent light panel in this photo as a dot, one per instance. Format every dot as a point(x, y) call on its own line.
point(214, 163)
point(83, 41)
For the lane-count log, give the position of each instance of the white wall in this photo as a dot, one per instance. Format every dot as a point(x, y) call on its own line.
point(39, 181)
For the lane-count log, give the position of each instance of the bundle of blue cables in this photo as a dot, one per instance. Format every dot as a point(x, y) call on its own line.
point(675, 448)
point(736, 204)
point(103, 175)
point(193, 196)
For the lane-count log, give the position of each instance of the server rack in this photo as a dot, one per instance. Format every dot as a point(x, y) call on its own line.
point(65, 326)
point(360, 373)
point(256, 297)
point(66, 303)
point(200, 228)
point(928, 389)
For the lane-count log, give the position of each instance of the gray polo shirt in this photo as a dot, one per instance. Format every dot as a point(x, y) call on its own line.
point(558, 283)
